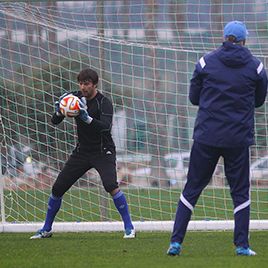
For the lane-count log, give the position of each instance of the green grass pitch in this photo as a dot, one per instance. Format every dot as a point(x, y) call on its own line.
point(200, 249)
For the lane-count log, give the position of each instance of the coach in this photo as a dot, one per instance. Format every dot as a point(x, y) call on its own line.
point(227, 85)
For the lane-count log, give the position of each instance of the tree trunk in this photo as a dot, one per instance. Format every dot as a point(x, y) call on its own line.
point(52, 14)
point(216, 22)
point(177, 18)
point(155, 112)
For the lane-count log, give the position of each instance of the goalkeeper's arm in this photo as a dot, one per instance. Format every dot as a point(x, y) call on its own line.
point(106, 115)
point(58, 117)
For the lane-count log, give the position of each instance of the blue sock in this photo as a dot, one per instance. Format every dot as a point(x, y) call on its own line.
point(122, 207)
point(54, 204)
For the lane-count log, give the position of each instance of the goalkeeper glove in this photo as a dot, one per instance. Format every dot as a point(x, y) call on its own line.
point(83, 111)
point(57, 104)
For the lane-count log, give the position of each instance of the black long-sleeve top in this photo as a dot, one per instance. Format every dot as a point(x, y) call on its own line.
point(96, 136)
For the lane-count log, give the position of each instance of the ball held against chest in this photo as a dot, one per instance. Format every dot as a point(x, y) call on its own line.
point(69, 106)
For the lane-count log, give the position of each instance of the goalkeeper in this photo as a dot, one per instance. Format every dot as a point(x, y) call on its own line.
point(95, 149)
point(227, 85)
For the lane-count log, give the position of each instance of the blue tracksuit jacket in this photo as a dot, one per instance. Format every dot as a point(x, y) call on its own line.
point(227, 85)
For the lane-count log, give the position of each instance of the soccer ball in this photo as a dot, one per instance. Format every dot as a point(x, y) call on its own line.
point(69, 106)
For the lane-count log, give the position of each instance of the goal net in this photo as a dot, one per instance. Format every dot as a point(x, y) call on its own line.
point(145, 53)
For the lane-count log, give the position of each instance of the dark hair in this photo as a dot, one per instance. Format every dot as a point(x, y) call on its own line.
point(233, 39)
point(88, 75)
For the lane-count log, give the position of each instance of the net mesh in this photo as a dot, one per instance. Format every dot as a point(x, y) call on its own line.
point(145, 53)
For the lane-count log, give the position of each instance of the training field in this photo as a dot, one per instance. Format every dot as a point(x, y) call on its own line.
point(200, 249)
point(145, 53)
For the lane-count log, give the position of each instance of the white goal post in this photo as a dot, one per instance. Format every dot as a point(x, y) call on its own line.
point(145, 53)
point(148, 226)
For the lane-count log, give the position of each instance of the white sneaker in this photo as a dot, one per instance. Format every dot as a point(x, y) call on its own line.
point(129, 233)
point(41, 234)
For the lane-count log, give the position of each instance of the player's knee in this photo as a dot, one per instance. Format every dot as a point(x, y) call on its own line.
point(240, 198)
point(57, 190)
point(110, 187)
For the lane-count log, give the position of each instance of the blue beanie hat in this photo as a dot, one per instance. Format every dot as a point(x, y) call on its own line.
point(237, 29)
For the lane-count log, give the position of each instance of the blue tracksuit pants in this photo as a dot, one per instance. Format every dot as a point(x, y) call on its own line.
point(203, 161)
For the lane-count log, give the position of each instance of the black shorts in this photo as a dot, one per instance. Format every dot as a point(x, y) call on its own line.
point(79, 162)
